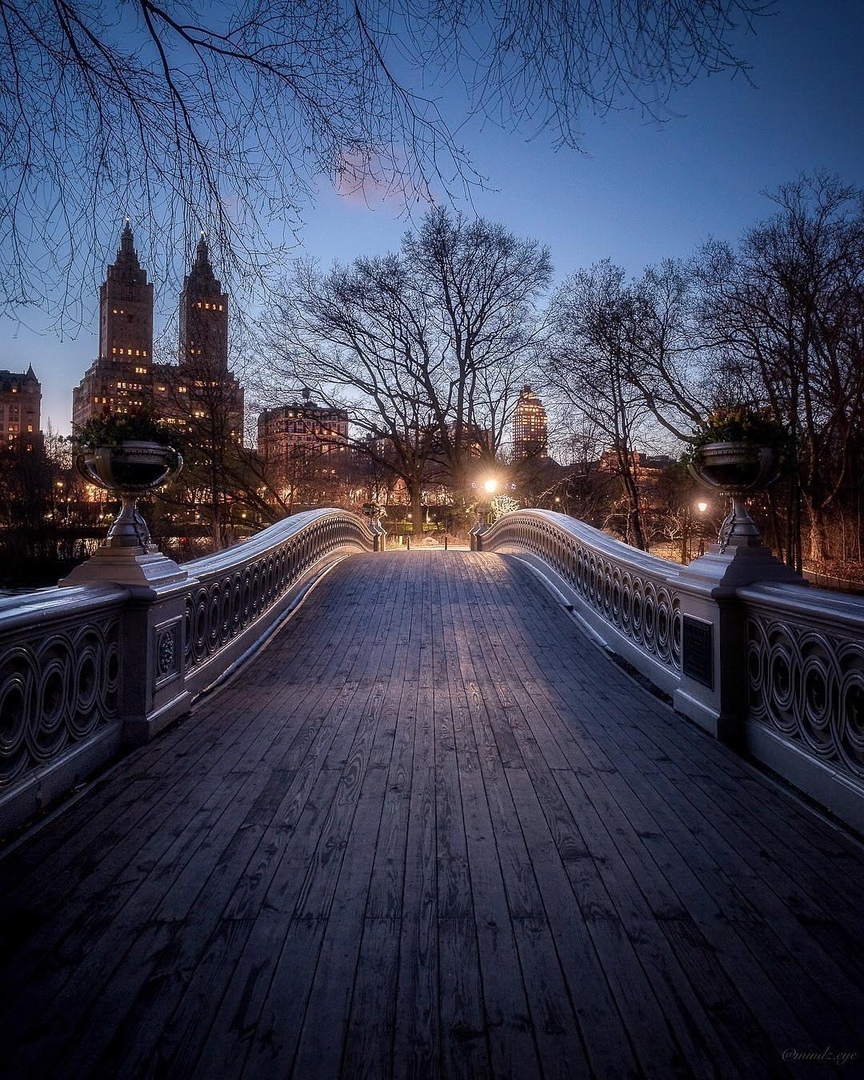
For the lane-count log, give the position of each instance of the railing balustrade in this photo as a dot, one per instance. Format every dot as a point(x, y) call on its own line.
point(805, 678)
point(60, 665)
point(89, 668)
point(742, 645)
point(628, 597)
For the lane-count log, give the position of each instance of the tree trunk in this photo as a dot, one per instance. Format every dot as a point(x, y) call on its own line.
point(635, 529)
point(819, 545)
point(416, 509)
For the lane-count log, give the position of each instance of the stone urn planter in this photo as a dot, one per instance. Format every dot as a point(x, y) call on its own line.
point(129, 469)
point(738, 469)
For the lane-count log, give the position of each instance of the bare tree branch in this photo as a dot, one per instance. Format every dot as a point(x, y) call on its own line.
point(227, 121)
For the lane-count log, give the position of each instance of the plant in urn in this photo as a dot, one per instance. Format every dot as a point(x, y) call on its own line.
point(130, 454)
point(739, 450)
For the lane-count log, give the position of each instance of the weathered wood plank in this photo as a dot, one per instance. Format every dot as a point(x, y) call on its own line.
point(368, 1045)
point(325, 1025)
point(464, 1047)
point(512, 1051)
point(430, 832)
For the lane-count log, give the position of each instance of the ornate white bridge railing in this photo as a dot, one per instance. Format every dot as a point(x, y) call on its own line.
point(741, 644)
point(88, 668)
point(60, 664)
point(627, 597)
point(805, 679)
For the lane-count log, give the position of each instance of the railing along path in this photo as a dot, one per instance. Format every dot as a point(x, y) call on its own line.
point(743, 646)
point(739, 643)
point(87, 669)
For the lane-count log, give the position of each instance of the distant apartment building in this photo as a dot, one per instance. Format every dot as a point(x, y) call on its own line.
point(120, 378)
point(643, 465)
point(312, 437)
point(199, 393)
point(530, 435)
point(20, 404)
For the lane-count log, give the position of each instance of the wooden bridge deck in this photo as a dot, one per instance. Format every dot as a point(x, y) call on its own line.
point(432, 831)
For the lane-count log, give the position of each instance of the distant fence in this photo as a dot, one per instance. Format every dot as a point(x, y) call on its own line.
point(88, 669)
point(775, 669)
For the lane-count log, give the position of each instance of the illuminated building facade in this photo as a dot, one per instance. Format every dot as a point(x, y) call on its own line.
point(199, 393)
point(315, 436)
point(305, 452)
point(120, 378)
point(203, 318)
point(530, 436)
point(20, 404)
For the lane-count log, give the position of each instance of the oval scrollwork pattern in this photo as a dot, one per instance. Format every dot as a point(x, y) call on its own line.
point(57, 690)
point(808, 686)
point(223, 604)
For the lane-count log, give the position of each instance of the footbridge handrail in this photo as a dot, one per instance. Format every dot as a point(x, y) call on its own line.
point(805, 679)
point(87, 669)
point(230, 591)
point(627, 597)
point(741, 644)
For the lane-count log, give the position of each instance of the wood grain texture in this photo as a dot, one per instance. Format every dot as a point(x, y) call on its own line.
point(431, 831)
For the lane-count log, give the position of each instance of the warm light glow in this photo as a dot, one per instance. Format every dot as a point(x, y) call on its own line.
point(701, 507)
point(490, 486)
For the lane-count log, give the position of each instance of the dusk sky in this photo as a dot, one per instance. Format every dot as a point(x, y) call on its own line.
point(639, 193)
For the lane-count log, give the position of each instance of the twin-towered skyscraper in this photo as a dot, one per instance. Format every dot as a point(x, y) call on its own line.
point(199, 388)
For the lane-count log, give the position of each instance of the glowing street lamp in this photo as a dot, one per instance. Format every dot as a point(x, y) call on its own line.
point(484, 512)
point(702, 507)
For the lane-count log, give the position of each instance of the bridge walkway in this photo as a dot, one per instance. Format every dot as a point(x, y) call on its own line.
point(431, 830)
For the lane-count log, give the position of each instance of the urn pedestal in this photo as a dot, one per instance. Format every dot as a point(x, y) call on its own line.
point(713, 686)
point(127, 556)
point(737, 469)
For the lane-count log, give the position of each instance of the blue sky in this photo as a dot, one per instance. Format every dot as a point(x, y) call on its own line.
point(640, 192)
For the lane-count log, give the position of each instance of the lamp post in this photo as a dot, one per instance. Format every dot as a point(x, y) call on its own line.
point(702, 507)
point(490, 487)
point(484, 510)
point(688, 530)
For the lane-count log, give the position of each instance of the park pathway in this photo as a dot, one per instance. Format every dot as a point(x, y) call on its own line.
point(431, 830)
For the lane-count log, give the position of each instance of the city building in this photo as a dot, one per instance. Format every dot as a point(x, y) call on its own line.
point(20, 404)
point(642, 465)
point(203, 318)
point(314, 435)
point(305, 453)
point(530, 437)
point(198, 393)
point(120, 378)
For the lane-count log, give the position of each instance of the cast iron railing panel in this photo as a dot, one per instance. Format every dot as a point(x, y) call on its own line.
point(805, 671)
point(234, 588)
point(59, 673)
point(630, 590)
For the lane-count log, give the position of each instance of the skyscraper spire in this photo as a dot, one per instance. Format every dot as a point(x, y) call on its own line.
point(203, 317)
point(126, 268)
point(127, 240)
point(202, 252)
point(201, 278)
